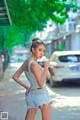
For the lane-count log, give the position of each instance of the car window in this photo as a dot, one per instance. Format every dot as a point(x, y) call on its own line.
point(69, 58)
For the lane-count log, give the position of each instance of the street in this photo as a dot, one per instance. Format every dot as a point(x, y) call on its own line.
point(65, 105)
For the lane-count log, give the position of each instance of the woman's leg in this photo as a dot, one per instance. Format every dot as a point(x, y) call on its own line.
point(30, 114)
point(46, 111)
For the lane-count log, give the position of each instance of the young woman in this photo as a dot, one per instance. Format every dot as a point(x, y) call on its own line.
point(36, 95)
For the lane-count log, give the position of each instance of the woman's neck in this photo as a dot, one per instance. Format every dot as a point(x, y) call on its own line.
point(34, 58)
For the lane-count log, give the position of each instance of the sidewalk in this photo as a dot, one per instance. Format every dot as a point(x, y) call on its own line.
point(12, 96)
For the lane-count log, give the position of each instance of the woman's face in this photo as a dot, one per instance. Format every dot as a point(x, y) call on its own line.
point(39, 51)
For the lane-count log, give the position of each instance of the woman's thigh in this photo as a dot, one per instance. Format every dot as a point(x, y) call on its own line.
point(46, 111)
point(30, 114)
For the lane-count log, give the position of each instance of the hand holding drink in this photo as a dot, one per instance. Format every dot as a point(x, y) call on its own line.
point(46, 64)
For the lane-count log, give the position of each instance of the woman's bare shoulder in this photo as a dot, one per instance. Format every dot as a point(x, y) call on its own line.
point(25, 65)
point(35, 66)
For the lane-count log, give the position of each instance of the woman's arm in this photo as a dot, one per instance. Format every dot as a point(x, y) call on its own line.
point(36, 70)
point(17, 79)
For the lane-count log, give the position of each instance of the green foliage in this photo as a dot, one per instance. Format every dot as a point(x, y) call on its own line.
point(29, 16)
point(33, 15)
point(10, 37)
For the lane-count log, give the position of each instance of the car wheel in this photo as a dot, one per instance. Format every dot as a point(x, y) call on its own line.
point(52, 83)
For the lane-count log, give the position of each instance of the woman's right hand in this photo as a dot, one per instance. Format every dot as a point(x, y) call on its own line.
point(27, 90)
point(46, 64)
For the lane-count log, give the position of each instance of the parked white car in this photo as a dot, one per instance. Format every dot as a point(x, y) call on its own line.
point(66, 66)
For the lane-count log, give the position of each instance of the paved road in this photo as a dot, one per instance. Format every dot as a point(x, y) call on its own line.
point(65, 106)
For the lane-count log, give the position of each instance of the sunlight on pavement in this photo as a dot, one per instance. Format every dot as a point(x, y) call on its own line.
point(17, 65)
point(63, 101)
point(60, 101)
